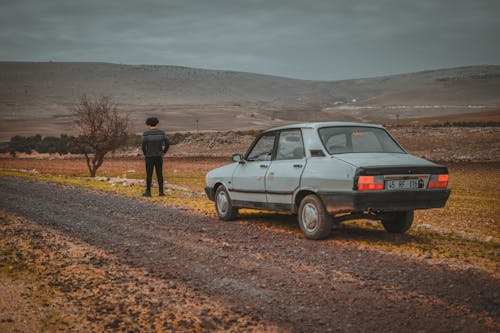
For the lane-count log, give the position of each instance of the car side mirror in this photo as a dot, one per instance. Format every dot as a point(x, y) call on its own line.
point(237, 158)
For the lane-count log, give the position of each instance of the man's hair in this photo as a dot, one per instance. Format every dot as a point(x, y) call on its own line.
point(152, 121)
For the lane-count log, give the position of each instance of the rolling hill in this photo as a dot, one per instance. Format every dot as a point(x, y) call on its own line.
point(37, 97)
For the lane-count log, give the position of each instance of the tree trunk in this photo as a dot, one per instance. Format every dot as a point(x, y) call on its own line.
point(94, 163)
point(89, 166)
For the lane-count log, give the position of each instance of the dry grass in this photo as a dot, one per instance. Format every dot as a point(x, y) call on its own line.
point(57, 284)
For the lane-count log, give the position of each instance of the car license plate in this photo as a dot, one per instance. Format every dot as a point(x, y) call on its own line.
point(401, 184)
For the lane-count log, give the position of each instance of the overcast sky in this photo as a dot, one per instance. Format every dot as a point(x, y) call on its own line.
point(307, 39)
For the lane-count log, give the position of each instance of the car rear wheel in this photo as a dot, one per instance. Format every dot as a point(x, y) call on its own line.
point(223, 205)
point(314, 220)
point(397, 222)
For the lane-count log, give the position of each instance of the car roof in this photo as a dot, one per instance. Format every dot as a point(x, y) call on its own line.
point(315, 125)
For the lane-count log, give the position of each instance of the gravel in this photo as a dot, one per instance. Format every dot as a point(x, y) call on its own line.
point(280, 278)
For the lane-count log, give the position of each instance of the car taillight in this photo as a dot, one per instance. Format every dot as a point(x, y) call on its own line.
point(370, 183)
point(438, 181)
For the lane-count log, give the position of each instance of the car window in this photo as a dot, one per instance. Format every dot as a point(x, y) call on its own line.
point(338, 140)
point(338, 143)
point(290, 145)
point(263, 149)
point(366, 142)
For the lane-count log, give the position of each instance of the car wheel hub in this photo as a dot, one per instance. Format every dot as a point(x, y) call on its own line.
point(222, 202)
point(310, 216)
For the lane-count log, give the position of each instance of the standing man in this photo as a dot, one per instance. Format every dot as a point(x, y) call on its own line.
point(154, 146)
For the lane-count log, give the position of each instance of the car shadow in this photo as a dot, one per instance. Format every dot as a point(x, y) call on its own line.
point(356, 230)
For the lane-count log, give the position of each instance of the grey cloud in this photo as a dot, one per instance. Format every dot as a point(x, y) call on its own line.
point(318, 39)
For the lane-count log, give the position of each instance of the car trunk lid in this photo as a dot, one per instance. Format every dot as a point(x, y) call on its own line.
point(383, 160)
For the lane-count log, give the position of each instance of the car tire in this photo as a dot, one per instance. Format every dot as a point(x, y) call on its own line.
point(314, 220)
point(397, 222)
point(223, 205)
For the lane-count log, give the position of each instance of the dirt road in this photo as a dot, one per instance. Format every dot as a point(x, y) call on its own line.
point(276, 279)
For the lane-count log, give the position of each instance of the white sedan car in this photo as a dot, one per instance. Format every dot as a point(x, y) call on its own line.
point(327, 172)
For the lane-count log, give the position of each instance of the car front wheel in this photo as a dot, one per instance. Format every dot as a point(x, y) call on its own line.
point(397, 222)
point(223, 205)
point(314, 220)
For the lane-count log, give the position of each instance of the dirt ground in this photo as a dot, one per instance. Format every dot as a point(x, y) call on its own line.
point(99, 261)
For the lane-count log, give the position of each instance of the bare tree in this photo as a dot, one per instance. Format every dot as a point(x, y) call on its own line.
point(102, 129)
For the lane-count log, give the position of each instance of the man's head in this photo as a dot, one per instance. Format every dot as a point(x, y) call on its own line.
point(152, 121)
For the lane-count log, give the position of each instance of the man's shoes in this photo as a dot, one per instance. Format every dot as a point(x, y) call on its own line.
point(146, 194)
point(161, 194)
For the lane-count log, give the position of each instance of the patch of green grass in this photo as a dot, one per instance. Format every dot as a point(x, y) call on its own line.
point(474, 205)
point(195, 181)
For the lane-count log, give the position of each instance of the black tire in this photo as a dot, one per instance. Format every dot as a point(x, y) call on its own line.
point(223, 205)
point(397, 222)
point(314, 220)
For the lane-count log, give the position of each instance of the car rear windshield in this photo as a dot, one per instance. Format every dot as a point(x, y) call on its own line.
point(340, 140)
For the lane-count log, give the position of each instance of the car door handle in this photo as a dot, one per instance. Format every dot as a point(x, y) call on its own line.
point(297, 165)
point(263, 165)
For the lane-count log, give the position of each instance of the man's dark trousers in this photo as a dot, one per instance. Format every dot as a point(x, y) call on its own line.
point(155, 162)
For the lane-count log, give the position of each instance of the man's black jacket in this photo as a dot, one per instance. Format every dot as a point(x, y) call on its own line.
point(154, 143)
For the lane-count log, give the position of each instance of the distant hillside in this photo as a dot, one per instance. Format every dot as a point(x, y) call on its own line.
point(36, 97)
point(148, 84)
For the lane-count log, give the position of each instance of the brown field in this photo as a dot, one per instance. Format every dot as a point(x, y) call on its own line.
point(475, 117)
point(187, 172)
point(112, 166)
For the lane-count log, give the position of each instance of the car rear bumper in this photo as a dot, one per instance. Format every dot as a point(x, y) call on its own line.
point(340, 202)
